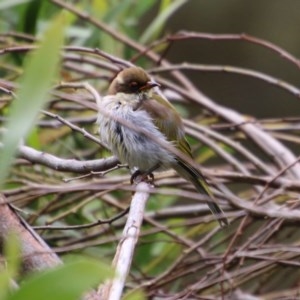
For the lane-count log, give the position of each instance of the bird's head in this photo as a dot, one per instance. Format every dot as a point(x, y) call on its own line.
point(131, 80)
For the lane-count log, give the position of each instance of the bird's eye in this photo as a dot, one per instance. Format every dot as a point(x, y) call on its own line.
point(133, 84)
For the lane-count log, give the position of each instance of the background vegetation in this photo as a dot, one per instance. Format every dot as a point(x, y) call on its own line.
point(247, 149)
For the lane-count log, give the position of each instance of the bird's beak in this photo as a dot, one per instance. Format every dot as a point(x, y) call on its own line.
point(149, 85)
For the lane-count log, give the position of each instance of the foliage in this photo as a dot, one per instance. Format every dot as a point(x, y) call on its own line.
point(33, 91)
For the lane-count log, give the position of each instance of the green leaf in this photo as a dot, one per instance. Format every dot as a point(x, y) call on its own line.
point(29, 19)
point(33, 139)
point(5, 4)
point(136, 295)
point(67, 282)
point(143, 7)
point(39, 73)
point(167, 9)
point(12, 251)
point(9, 270)
point(4, 282)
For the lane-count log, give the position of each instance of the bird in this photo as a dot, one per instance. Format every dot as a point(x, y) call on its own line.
point(141, 127)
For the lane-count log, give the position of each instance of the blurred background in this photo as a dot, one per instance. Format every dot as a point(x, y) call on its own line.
point(275, 21)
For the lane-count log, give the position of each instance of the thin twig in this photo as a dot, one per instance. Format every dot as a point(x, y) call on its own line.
point(84, 226)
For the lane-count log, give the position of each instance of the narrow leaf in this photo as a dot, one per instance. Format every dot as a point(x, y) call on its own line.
point(40, 70)
point(66, 282)
point(158, 23)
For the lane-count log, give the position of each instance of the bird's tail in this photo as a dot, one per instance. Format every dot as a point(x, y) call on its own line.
point(196, 178)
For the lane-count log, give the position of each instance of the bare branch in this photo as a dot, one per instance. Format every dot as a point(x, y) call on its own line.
point(124, 254)
point(36, 254)
point(66, 165)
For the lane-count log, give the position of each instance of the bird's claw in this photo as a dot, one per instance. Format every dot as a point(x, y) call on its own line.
point(138, 177)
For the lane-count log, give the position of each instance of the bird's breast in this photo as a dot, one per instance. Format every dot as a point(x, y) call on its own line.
point(132, 135)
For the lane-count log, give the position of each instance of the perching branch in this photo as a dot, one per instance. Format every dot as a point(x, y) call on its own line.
point(127, 243)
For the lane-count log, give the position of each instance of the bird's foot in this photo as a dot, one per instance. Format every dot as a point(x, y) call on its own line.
point(147, 176)
point(138, 177)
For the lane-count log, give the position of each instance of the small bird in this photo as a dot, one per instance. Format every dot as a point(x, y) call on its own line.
point(141, 128)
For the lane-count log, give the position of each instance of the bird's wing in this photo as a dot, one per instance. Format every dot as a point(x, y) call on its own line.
point(168, 121)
